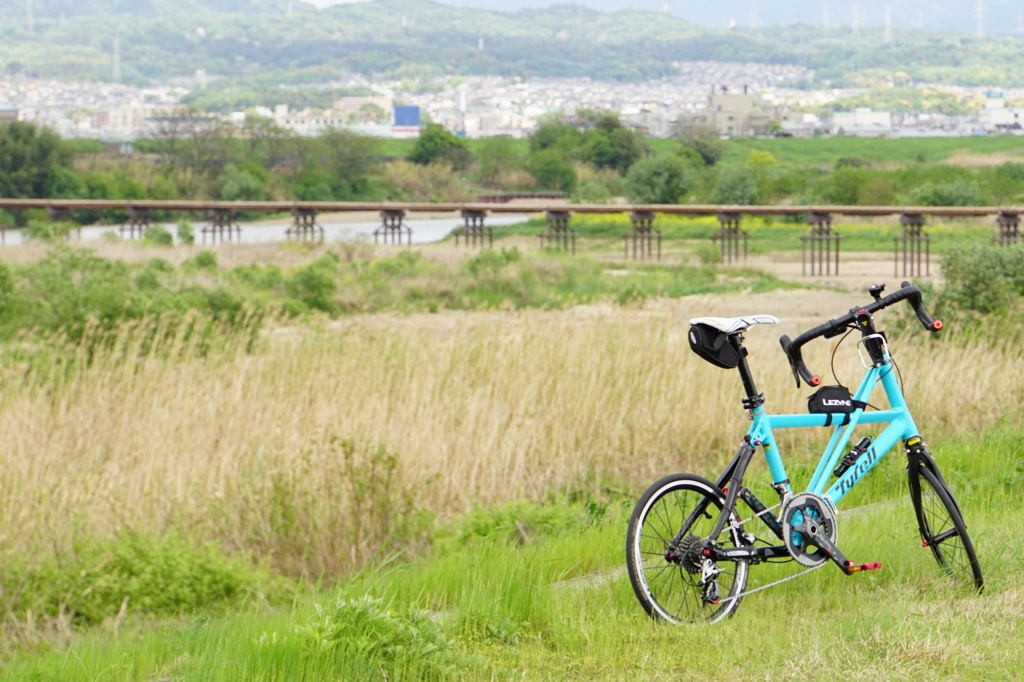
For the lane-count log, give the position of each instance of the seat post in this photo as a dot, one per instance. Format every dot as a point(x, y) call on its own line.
point(753, 399)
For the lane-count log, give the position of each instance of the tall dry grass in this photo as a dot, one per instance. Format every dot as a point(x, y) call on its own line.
point(275, 453)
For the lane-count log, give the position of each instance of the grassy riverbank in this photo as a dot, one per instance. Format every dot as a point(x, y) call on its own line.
point(407, 495)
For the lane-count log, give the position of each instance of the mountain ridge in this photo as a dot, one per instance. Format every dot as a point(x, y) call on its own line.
point(160, 39)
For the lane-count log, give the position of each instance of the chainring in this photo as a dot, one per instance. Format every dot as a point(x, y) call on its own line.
point(802, 513)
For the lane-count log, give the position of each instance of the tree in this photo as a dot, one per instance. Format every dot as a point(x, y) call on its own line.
point(34, 161)
point(735, 185)
point(703, 140)
point(659, 180)
point(336, 166)
point(555, 134)
point(437, 144)
point(551, 170)
point(607, 143)
point(495, 155)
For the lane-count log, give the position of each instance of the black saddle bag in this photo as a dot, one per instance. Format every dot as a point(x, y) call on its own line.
point(713, 345)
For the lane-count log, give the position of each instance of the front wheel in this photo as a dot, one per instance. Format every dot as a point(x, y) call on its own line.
point(942, 528)
point(669, 574)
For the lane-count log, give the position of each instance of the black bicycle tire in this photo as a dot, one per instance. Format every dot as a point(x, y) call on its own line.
point(945, 542)
point(635, 551)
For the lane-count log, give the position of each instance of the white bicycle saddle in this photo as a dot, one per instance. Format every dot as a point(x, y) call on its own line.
point(735, 325)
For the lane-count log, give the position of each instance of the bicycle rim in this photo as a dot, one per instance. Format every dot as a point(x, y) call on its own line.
point(674, 591)
point(943, 531)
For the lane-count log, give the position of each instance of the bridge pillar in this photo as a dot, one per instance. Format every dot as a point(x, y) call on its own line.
point(729, 235)
point(392, 227)
point(305, 228)
point(1009, 229)
point(474, 229)
point(819, 240)
point(222, 227)
point(908, 246)
point(559, 233)
point(643, 235)
point(138, 220)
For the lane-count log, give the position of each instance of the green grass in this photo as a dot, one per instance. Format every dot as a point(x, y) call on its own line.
point(818, 152)
point(765, 234)
point(496, 604)
point(795, 151)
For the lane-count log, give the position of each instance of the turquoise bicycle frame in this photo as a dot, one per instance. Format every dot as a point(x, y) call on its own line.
point(901, 426)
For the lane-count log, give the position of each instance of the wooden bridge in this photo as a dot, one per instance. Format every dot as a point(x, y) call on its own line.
point(820, 243)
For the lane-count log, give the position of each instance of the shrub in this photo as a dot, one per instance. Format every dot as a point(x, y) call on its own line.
point(315, 284)
point(186, 234)
point(659, 180)
point(489, 261)
point(959, 192)
point(154, 575)
point(158, 235)
point(984, 278)
point(593, 193)
point(433, 182)
point(206, 260)
point(48, 231)
point(366, 633)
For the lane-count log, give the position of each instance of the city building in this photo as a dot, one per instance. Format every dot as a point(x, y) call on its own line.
point(862, 122)
point(996, 117)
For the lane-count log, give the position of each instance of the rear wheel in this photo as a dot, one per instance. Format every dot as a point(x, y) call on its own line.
point(943, 530)
point(670, 576)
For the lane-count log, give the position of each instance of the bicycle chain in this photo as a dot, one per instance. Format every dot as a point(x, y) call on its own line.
point(795, 575)
point(759, 514)
point(777, 582)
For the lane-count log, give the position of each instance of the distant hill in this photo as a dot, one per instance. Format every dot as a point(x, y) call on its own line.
point(260, 40)
point(959, 16)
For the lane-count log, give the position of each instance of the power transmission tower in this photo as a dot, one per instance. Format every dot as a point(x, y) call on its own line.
point(856, 20)
point(117, 59)
point(755, 21)
point(28, 16)
point(979, 17)
point(887, 31)
point(825, 20)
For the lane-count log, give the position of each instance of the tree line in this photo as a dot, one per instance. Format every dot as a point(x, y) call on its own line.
point(591, 156)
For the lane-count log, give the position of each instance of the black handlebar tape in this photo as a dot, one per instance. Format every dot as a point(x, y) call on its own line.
point(917, 304)
point(796, 363)
point(839, 325)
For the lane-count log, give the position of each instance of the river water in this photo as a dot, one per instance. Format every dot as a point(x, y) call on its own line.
point(424, 231)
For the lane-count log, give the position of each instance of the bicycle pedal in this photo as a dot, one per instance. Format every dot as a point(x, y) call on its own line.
point(851, 568)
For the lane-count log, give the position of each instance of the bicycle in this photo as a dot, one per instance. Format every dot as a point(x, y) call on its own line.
point(688, 547)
